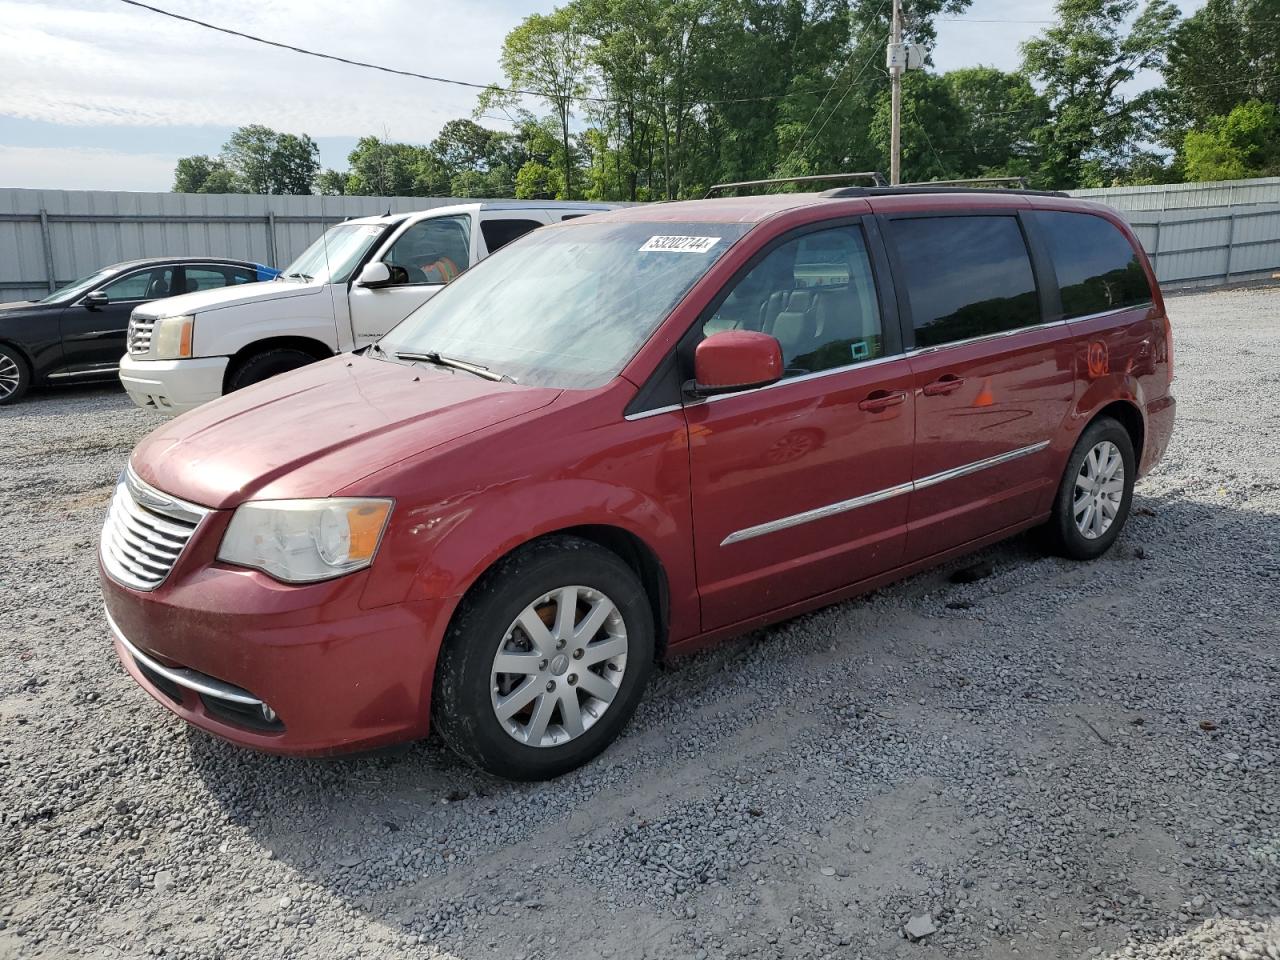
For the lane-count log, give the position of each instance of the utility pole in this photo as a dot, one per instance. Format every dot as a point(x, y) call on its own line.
point(896, 66)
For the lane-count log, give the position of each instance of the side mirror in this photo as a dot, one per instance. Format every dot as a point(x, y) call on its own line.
point(93, 301)
point(735, 360)
point(376, 274)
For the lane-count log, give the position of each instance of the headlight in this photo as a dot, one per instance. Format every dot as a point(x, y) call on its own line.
point(171, 337)
point(300, 541)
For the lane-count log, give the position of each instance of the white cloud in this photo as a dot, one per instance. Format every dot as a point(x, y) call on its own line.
point(72, 168)
point(99, 63)
point(104, 65)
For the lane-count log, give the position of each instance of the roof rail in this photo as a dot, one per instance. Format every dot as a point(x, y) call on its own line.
point(1017, 182)
point(875, 176)
point(941, 186)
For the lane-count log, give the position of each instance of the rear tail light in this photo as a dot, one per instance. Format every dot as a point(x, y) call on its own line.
point(1168, 346)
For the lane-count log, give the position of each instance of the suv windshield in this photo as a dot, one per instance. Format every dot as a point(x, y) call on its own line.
point(333, 256)
point(73, 290)
point(568, 305)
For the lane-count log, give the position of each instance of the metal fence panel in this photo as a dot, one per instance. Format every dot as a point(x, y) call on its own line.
point(1182, 196)
point(1196, 234)
point(48, 238)
point(1206, 247)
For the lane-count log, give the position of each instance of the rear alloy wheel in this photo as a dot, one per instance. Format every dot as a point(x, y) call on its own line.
point(1099, 490)
point(14, 376)
point(1095, 494)
point(545, 661)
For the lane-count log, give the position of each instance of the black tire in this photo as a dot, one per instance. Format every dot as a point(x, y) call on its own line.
point(15, 375)
point(462, 709)
point(269, 363)
point(1063, 535)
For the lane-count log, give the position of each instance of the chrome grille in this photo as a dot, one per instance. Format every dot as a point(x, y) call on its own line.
point(145, 533)
point(139, 336)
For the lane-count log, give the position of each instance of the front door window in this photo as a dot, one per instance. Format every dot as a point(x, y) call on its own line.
point(432, 251)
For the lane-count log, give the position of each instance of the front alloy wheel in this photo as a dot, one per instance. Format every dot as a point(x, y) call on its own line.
point(559, 666)
point(545, 660)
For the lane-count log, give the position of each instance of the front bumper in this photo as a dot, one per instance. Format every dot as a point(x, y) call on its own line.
point(173, 386)
point(217, 645)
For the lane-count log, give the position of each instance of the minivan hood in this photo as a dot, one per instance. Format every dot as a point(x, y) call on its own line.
point(220, 297)
point(314, 431)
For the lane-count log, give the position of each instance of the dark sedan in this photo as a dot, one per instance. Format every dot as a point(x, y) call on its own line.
point(77, 333)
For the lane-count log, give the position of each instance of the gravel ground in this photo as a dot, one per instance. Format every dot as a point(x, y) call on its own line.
point(1059, 760)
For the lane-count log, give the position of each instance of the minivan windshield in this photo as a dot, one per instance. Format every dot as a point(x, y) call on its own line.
point(568, 305)
point(73, 290)
point(333, 257)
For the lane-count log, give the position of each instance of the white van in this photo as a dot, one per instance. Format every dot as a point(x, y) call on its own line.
point(346, 290)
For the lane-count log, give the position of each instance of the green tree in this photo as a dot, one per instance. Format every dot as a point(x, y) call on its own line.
point(202, 174)
point(537, 181)
point(383, 168)
point(265, 161)
point(1244, 143)
point(1083, 63)
point(546, 54)
point(933, 128)
point(1001, 114)
point(332, 183)
point(295, 164)
point(1225, 54)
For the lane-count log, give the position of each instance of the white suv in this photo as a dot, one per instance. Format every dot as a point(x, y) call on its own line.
point(346, 290)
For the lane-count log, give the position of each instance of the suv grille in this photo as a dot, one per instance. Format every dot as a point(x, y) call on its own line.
point(139, 336)
point(145, 533)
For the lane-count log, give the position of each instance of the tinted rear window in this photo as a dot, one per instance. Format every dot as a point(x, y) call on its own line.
point(498, 233)
point(1097, 267)
point(965, 276)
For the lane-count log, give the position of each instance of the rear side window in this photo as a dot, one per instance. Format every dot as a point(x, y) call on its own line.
point(965, 276)
point(209, 278)
point(498, 233)
point(1098, 269)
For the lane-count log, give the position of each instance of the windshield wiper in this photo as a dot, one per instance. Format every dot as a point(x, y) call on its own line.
point(440, 361)
point(300, 276)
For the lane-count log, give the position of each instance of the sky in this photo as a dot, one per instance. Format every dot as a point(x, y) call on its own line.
point(96, 94)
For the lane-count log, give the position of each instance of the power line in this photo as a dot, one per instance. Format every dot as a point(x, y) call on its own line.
point(1018, 20)
point(800, 139)
point(434, 79)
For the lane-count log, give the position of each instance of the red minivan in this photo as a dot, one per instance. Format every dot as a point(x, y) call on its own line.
point(622, 438)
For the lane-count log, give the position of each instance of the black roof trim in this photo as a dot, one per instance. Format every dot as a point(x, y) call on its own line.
point(846, 192)
point(158, 261)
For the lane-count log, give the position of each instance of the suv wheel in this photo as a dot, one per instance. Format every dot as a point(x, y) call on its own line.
point(1096, 492)
point(546, 660)
point(269, 363)
point(15, 377)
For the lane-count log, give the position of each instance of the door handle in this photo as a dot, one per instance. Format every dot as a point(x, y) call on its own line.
point(882, 400)
point(943, 385)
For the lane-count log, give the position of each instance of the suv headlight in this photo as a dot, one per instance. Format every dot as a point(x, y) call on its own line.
point(301, 541)
point(171, 337)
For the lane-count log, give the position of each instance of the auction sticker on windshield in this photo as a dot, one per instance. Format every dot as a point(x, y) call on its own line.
point(679, 244)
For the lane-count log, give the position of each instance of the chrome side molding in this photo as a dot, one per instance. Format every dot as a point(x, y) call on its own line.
point(878, 496)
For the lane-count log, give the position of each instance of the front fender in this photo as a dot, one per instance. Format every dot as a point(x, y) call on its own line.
point(219, 334)
point(469, 541)
point(506, 490)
